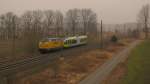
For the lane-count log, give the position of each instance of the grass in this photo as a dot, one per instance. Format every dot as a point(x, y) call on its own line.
point(138, 65)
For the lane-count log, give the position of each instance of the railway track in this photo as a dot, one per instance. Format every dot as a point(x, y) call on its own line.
point(15, 67)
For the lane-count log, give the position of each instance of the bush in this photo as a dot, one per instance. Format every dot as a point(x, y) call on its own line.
point(114, 39)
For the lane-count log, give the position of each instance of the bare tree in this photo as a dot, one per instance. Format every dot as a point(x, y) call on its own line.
point(2, 27)
point(72, 19)
point(14, 31)
point(92, 24)
point(26, 24)
point(36, 28)
point(9, 23)
point(143, 18)
point(86, 15)
point(59, 22)
point(37, 23)
point(80, 19)
point(26, 21)
point(48, 23)
point(31, 22)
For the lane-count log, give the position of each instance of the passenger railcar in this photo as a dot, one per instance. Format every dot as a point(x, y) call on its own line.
point(75, 41)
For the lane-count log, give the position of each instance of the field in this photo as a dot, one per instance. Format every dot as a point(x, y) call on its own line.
point(138, 70)
point(135, 70)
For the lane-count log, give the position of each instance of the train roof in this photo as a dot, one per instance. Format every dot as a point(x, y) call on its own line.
point(84, 36)
point(52, 38)
point(48, 38)
point(75, 37)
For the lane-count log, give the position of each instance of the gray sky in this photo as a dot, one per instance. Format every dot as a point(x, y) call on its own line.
point(111, 11)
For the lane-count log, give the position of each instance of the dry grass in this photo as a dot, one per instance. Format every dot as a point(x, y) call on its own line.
point(71, 71)
point(116, 75)
point(10, 53)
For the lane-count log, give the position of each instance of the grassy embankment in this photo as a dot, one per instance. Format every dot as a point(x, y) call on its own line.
point(138, 65)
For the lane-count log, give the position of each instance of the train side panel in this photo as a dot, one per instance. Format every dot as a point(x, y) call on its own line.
point(50, 45)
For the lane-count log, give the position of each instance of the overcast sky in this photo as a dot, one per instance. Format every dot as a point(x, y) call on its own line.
point(111, 11)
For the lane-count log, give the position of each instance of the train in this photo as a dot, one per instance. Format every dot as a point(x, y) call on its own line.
point(50, 44)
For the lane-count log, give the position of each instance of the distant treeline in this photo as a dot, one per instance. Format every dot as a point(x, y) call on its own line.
point(37, 23)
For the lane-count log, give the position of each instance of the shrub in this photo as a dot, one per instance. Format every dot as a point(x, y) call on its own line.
point(114, 39)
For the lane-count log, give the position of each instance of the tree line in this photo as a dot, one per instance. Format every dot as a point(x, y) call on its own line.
point(143, 20)
point(46, 23)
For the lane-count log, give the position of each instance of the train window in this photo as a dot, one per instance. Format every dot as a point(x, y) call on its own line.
point(68, 42)
point(71, 41)
point(74, 41)
point(83, 39)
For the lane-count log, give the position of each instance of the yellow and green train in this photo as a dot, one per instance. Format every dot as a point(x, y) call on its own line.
point(49, 44)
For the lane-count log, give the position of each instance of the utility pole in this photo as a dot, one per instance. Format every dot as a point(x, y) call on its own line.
point(102, 34)
point(146, 28)
point(124, 31)
point(14, 38)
